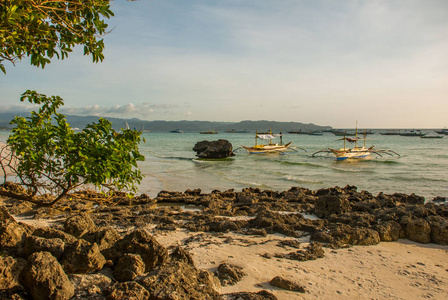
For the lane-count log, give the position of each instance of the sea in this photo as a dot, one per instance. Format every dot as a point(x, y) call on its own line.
point(171, 164)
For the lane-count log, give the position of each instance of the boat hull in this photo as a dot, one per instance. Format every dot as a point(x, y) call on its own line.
point(273, 148)
point(344, 154)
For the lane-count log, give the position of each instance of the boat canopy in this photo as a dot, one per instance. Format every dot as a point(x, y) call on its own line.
point(268, 136)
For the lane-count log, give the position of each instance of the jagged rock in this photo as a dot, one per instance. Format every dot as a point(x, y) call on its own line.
point(286, 284)
point(106, 238)
point(142, 243)
point(312, 252)
point(88, 286)
point(389, 231)
point(80, 225)
point(44, 278)
point(12, 234)
point(181, 255)
point(10, 269)
point(353, 218)
point(82, 257)
point(178, 280)
point(331, 204)
point(439, 230)
point(229, 274)
point(128, 267)
point(340, 234)
point(50, 233)
point(417, 230)
point(128, 290)
point(37, 244)
point(261, 295)
point(214, 149)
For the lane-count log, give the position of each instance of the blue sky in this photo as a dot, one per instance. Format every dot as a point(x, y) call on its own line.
point(383, 63)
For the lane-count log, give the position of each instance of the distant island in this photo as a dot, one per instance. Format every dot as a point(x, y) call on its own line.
point(185, 126)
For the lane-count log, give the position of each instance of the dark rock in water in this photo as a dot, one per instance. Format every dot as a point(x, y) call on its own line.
point(44, 278)
point(439, 200)
point(214, 149)
point(127, 290)
point(229, 274)
point(178, 280)
point(286, 284)
point(261, 295)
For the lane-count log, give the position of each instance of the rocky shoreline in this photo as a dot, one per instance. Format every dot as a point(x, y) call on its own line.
point(98, 248)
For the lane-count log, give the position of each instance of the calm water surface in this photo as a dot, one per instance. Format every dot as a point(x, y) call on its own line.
point(171, 165)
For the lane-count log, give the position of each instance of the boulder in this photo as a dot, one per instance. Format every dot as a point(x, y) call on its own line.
point(82, 257)
point(261, 295)
point(37, 244)
point(417, 230)
point(331, 204)
point(286, 284)
point(106, 238)
point(229, 274)
point(130, 290)
point(214, 149)
point(80, 225)
point(142, 243)
point(439, 230)
point(178, 280)
point(10, 269)
point(389, 231)
point(128, 267)
point(312, 252)
point(44, 278)
point(339, 235)
point(87, 286)
point(12, 234)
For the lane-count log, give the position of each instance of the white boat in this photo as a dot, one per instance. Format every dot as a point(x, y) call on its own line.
point(268, 148)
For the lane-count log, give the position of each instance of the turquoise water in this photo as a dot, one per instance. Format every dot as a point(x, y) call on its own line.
point(171, 165)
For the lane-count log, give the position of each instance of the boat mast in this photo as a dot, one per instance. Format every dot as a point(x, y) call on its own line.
point(256, 137)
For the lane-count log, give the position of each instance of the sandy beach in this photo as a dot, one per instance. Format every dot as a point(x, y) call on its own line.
point(260, 242)
point(393, 270)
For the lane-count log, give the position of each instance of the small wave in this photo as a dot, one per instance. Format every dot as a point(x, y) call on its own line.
point(301, 180)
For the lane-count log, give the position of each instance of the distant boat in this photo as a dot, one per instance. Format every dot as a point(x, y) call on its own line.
point(145, 130)
point(235, 131)
point(344, 133)
point(176, 131)
point(299, 132)
point(316, 133)
point(391, 132)
point(209, 132)
point(442, 131)
point(431, 136)
point(412, 133)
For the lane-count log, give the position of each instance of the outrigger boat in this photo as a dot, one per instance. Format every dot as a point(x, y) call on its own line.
point(271, 147)
point(355, 152)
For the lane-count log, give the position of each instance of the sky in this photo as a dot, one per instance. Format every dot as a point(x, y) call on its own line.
point(381, 63)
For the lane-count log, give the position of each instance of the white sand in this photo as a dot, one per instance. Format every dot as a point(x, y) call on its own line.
point(396, 270)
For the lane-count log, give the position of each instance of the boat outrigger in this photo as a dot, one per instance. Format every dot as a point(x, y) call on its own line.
point(355, 152)
point(271, 147)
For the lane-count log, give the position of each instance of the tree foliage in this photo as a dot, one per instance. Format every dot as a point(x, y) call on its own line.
point(42, 29)
point(53, 158)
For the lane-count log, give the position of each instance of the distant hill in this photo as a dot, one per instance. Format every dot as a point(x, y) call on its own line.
point(186, 126)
